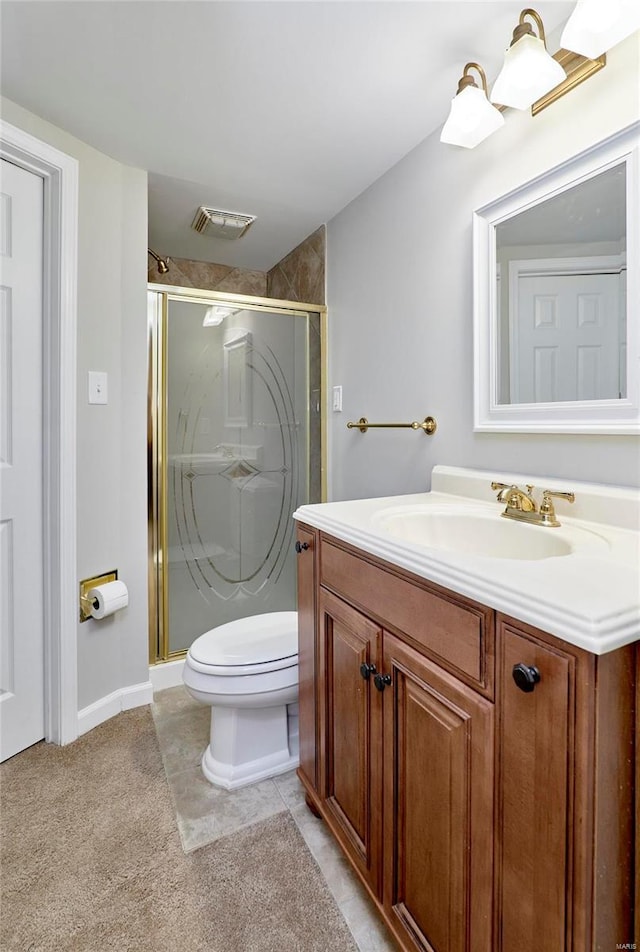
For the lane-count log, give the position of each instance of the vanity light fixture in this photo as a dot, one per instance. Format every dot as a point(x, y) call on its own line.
point(472, 117)
point(529, 71)
point(594, 26)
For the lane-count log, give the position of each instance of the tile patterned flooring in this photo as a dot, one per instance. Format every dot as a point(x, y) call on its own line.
point(205, 813)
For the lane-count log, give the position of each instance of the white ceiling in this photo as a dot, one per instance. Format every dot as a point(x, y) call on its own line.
point(284, 110)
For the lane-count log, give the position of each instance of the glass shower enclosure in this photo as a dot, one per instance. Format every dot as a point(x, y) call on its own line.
point(235, 446)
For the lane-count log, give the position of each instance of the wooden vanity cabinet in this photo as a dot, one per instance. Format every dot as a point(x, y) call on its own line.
point(536, 750)
point(350, 778)
point(481, 816)
point(437, 805)
point(564, 795)
point(381, 700)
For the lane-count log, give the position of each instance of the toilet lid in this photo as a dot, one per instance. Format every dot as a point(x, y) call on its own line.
point(257, 640)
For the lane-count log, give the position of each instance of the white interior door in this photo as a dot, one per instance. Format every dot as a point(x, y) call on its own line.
point(21, 479)
point(567, 345)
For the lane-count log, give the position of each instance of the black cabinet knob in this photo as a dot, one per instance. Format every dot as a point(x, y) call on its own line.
point(381, 681)
point(366, 670)
point(526, 677)
point(301, 547)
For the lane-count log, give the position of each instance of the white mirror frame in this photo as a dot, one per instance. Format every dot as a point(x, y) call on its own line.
point(589, 416)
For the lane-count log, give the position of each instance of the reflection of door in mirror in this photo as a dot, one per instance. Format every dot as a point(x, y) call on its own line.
point(562, 334)
point(566, 331)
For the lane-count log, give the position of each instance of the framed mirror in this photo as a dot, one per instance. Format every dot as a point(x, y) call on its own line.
point(557, 298)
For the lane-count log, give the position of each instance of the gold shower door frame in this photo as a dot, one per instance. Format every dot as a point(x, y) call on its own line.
point(159, 296)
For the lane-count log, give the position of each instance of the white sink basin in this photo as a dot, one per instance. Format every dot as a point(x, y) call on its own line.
point(578, 581)
point(484, 533)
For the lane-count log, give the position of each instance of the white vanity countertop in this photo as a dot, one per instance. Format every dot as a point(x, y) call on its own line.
point(589, 598)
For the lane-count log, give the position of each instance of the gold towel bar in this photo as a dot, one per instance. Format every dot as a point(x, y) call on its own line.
point(428, 426)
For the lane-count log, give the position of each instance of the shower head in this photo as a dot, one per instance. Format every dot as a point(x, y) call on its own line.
point(163, 266)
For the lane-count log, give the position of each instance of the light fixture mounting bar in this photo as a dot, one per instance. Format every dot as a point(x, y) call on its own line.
point(578, 68)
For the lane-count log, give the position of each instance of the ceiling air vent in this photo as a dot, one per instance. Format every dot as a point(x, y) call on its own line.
point(218, 224)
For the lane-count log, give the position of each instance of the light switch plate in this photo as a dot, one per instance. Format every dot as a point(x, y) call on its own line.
point(98, 387)
point(336, 404)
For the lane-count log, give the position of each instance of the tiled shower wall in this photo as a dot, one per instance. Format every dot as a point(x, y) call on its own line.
point(209, 277)
point(300, 276)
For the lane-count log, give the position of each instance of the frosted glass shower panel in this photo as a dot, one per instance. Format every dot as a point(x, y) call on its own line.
point(237, 462)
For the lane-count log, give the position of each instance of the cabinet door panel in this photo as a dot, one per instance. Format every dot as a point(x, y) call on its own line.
point(306, 566)
point(352, 766)
point(438, 752)
point(535, 766)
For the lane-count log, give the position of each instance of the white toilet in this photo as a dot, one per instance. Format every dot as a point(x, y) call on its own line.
point(247, 670)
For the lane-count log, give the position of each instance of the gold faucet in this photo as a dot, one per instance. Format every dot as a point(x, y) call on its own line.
point(516, 499)
point(522, 506)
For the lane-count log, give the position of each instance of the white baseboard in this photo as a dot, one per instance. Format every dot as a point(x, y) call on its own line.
point(136, 695)
point(167, 674)
point(161, 676)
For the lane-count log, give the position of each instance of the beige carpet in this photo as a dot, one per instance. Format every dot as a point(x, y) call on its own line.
point(91, 861)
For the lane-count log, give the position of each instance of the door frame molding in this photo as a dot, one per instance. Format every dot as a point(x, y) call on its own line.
point(60, 279)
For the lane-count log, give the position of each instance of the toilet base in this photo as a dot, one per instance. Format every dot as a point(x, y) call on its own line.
point(231, 778)
point(249, 745)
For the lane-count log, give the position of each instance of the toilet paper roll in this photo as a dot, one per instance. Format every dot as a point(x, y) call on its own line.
point(108, 598)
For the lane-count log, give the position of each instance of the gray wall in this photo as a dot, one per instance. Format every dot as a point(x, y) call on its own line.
point(111, 463)
point(400, 298)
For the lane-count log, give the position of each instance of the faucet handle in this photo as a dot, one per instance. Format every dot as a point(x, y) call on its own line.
point(570, 497)
point(505, 490)
point(515, 496)
point(547, 510)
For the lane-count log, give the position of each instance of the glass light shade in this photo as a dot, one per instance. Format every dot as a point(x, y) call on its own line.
point(528, 73)
point(594, 27)
point(471, 119)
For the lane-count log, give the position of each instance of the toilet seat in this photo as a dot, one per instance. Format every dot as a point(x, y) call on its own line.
point(247, 646)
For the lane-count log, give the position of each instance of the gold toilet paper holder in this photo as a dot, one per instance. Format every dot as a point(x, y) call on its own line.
point(86, 585)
